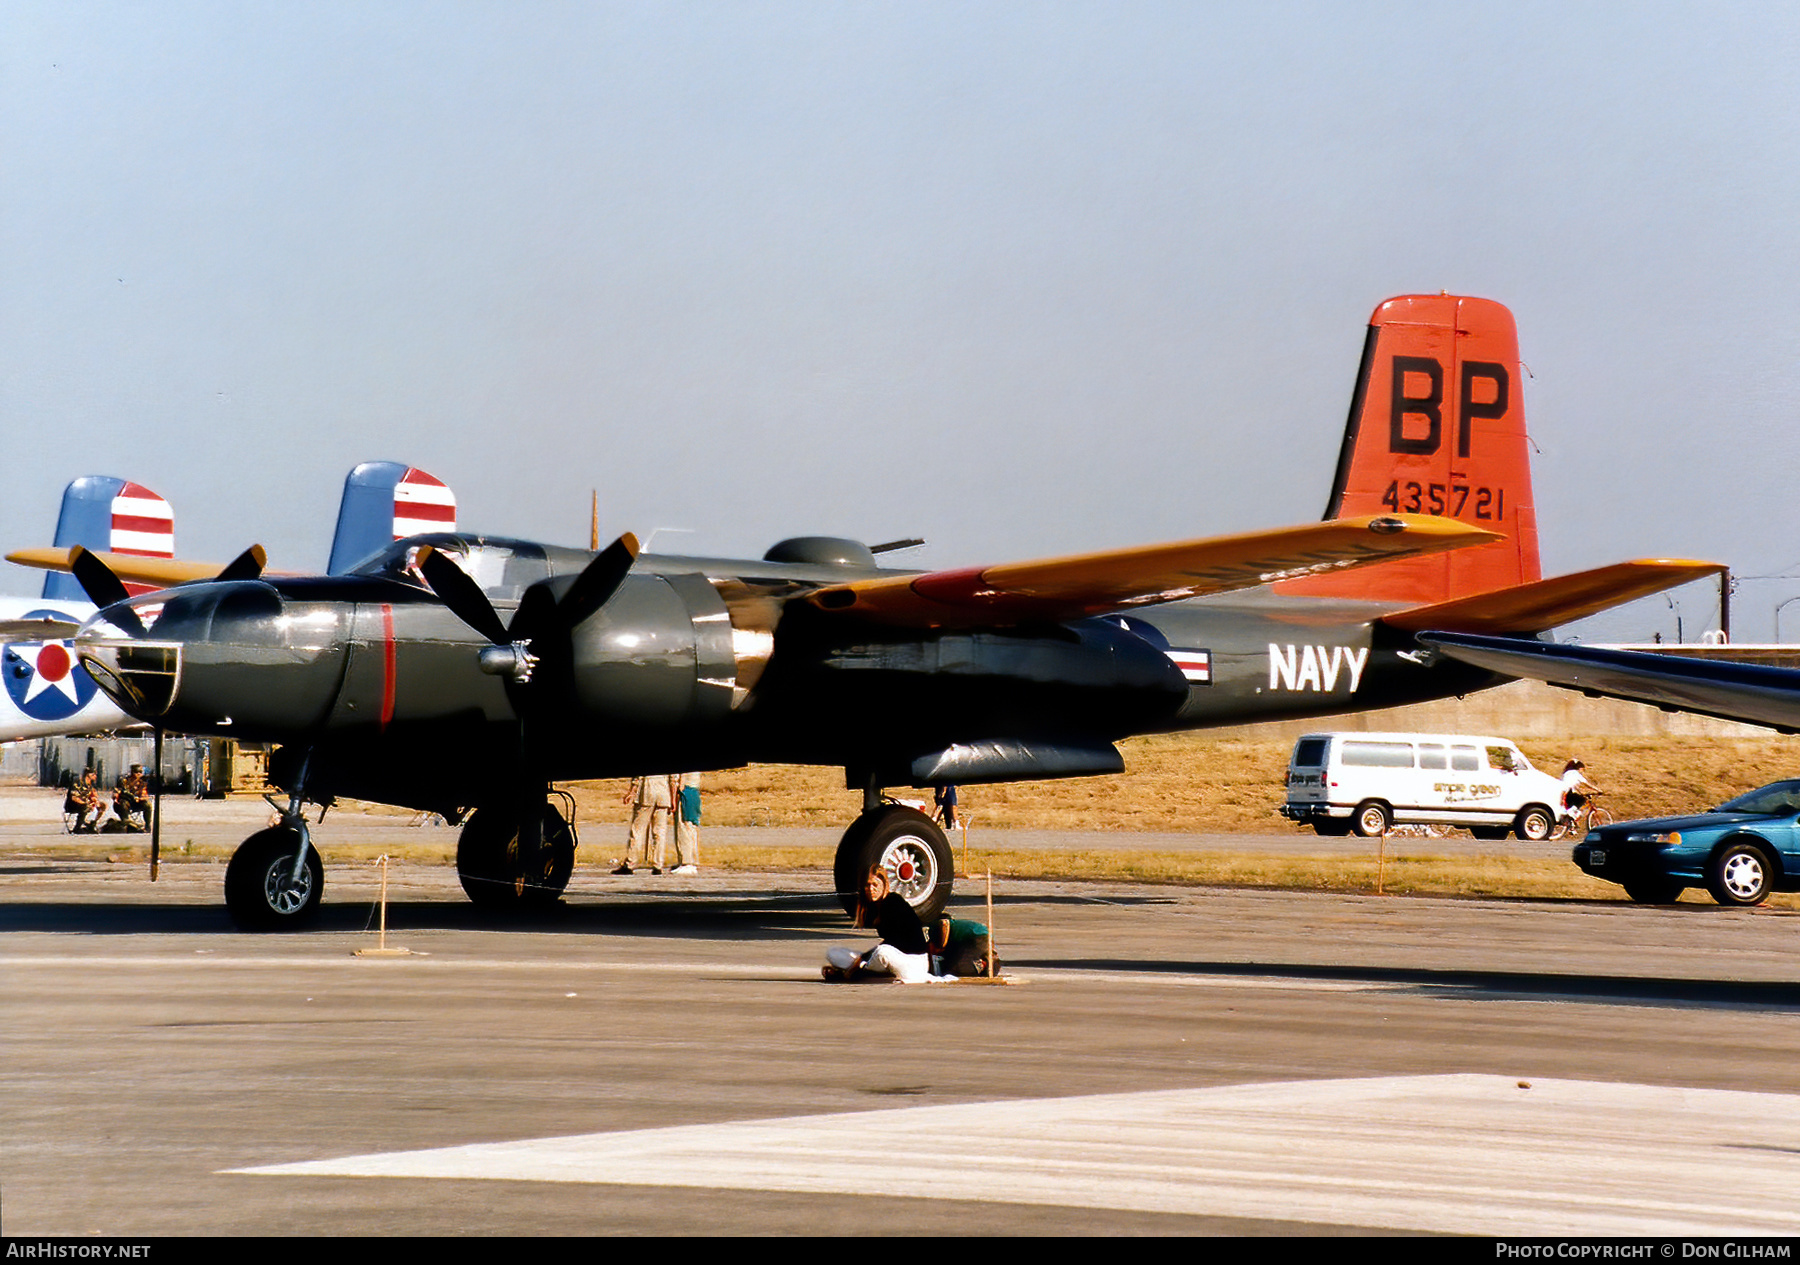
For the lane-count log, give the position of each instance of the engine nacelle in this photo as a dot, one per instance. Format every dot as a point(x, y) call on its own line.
point(656, 659)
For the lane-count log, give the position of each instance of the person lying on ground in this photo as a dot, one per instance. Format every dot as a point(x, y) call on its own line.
point(960, 947)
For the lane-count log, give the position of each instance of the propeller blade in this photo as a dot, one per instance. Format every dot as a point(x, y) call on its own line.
point(595, 585)
point(536, 613)
point(456, 589)
point(248, 565)
point(104, 588)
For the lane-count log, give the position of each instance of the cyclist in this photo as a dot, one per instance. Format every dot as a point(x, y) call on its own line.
point(1576, 789)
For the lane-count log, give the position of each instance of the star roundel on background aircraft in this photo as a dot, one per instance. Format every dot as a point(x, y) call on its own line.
point(48, 692)
point(43, 680)
point(466, 674)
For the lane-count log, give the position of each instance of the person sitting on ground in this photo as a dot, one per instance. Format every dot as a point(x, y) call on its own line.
point(960, 947)
point(83, 800)
point(131, 799)
point(902, 953)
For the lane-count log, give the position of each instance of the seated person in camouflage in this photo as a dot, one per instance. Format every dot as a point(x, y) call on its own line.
point(84, 801)
point(131, 799)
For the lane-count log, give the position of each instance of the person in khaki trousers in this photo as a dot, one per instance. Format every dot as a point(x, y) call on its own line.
point(651, 799)
point(687, 823)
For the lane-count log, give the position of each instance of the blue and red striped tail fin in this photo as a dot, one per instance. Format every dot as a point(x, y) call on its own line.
point(385, 501)
point(110, 515)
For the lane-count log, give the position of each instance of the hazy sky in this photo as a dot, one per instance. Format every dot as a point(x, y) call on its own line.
point(1019, 278)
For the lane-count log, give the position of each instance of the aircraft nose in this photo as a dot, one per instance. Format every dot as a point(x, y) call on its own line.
point(141, 650)
point(139, 676)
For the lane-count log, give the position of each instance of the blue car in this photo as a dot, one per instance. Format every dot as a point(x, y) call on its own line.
point(1740, 851)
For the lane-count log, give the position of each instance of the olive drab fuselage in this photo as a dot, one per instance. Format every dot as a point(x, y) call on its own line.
point(700, 663)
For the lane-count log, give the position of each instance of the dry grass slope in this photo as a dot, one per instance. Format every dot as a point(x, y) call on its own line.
point(1193, 783)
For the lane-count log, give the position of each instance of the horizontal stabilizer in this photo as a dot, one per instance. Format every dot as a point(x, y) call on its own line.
point(1733, 691)
point(1543, 604)
point(159, 573)
point(1056, 589)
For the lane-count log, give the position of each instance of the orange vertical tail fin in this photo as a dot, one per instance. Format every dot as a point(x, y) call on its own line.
point(1437, 426)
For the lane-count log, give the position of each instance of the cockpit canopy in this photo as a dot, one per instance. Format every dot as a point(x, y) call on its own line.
point(503, 568)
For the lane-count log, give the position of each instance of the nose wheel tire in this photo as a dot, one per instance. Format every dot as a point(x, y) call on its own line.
point(496, 876)
point(903, 844)
point(1741, 874)
point(261, 890)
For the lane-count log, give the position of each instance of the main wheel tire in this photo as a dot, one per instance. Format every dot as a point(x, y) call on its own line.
point(495, 876)
point(1740, 874)
point(1653, 890)
point(1534, 822)
point(907, 846)
point(260, 889)
point(1372, 818)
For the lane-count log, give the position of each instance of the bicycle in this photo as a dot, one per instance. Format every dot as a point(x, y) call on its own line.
point(1576, 825)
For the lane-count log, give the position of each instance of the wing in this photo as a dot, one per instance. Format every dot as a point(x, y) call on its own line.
point(1056, 589)
point(1562, 599)
point(46, 628)
point(164, 573)
point(1750, 692)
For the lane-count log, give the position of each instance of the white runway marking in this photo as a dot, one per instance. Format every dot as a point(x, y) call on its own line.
point(1463, 1154)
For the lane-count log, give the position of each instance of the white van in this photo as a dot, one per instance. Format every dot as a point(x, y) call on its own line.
point(1369, 782)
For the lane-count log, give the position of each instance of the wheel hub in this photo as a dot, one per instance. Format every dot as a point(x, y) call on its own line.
point(1743, 877)
point(911, 868)
point(286, 894)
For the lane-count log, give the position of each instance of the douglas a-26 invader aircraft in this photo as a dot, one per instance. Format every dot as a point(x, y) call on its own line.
point(465, 674)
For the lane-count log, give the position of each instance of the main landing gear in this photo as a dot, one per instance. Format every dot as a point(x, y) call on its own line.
point(904, 844)
point(498, 874)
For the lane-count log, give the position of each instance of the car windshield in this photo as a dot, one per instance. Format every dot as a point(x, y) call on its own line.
point(1774, 800)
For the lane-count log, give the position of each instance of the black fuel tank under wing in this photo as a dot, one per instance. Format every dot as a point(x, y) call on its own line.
point(1755, 693)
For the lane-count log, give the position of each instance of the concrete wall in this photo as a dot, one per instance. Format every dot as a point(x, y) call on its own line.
point(1523, 709)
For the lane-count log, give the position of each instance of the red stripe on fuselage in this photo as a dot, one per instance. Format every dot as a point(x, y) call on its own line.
point(387, 664)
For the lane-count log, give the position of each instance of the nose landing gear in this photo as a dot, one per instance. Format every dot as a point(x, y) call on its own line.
point(275, 880)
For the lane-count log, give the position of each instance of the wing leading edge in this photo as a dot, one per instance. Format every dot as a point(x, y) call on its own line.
point(162, 572)
point(1055, 589)
point(1749, 692)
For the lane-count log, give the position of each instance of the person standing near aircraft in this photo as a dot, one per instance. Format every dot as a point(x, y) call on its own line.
point(651, 799)
point(945, 796)
point(687, 823)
